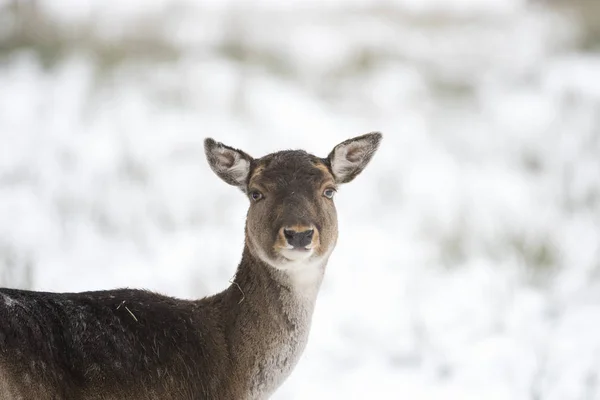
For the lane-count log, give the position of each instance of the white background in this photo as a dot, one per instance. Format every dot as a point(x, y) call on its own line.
point(468, 262)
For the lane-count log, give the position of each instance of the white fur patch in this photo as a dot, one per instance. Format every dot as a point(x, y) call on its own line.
point(296, 255)
point(238, 170)
point(341, 165)
point(305, 273)
point(10, 302)
point(306, 276)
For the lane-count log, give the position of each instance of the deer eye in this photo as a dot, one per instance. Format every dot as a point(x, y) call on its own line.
point(256, 195)
point(329, 193)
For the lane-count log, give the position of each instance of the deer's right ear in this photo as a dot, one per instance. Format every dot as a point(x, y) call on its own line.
point(231, 165)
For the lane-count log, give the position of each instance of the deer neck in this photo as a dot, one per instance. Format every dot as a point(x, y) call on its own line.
point(268, 317)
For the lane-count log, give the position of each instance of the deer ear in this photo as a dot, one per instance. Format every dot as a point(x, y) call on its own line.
point(350, 157)
point(231, 165)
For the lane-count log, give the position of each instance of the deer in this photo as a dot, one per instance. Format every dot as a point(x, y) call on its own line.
point(241, 343)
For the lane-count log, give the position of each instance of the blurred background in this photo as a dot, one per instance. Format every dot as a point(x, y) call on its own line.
point(468, 264)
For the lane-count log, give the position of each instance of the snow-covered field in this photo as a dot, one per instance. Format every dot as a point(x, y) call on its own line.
point(468, 264)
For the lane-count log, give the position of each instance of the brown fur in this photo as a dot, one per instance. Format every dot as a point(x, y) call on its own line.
point(238, 344)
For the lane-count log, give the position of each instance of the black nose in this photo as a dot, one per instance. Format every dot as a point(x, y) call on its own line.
point(298, 239)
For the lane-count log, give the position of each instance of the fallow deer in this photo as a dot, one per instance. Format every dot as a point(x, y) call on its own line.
point(241, 343)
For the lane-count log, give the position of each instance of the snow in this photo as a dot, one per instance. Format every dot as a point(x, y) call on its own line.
point(468, 262)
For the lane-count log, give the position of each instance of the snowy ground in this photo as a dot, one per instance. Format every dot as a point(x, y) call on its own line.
point(468, 265)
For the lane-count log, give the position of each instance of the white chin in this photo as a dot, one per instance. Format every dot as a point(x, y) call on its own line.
point(296, 255)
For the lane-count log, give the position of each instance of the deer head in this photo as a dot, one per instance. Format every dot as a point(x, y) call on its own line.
point(292, 218)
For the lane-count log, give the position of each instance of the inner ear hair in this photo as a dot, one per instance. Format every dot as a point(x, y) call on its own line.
point(350, 157)
point(230, 164)
point(354, 152)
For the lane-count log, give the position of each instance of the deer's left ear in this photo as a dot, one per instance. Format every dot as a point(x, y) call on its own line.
point(350, 157)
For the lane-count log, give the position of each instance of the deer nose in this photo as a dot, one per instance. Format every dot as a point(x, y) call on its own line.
point(298, 239)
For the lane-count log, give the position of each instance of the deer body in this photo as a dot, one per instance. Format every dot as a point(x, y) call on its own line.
point(241, 343)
